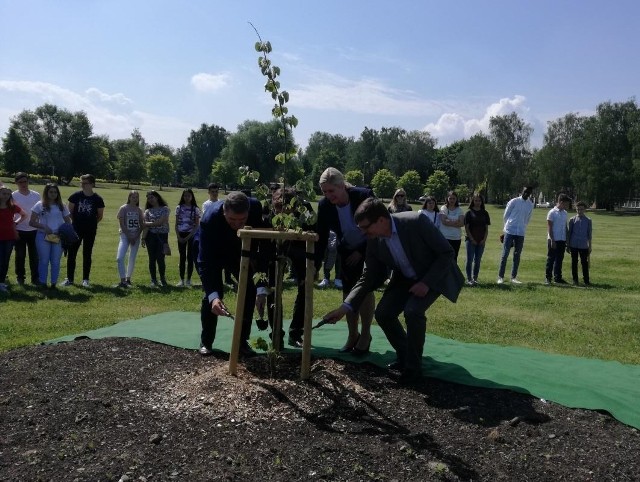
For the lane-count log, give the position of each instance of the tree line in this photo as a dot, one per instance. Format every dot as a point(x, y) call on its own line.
point(595, 158)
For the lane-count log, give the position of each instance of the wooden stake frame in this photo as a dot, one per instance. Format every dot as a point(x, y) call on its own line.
point(247, 234)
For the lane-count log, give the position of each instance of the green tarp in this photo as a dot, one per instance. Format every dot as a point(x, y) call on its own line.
point(569, 381)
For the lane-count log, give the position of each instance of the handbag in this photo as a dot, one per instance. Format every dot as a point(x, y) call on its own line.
point(52, 238)
point(166, 249)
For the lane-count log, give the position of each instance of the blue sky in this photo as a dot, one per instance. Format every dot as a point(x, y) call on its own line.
point(168, 66)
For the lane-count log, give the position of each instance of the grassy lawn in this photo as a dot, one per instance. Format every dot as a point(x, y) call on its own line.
point(602, 321)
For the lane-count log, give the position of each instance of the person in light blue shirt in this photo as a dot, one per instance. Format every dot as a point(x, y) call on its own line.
point(579, 243)
point(516, 218)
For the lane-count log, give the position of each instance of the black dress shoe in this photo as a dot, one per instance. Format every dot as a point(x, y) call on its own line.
point(410, 378)
point(396, 365)
point(246, 351)
point(205, 351)
point(295, 341)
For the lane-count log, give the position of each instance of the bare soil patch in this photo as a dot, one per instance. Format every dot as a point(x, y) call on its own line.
point(125, 409)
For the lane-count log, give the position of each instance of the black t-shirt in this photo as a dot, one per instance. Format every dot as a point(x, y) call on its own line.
point(85, 210)
point(477, 222)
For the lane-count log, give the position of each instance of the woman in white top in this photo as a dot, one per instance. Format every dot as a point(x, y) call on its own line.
point(451, 220)
point(47, 216)
point(430, 210)
point(130, 219)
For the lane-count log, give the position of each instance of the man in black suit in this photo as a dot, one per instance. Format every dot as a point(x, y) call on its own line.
point(424, 268)
point(220, 249)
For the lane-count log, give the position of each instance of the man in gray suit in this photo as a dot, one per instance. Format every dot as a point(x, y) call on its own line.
point(424, 268)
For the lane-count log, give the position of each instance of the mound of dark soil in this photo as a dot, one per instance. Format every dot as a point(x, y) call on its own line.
point(123, 409)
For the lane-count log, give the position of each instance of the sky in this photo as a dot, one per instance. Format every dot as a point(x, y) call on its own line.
point(168, 66)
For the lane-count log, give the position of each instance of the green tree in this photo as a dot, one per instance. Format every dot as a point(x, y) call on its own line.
point(206, 145)
point(463, 192)
point(384, 183)
point(510, 135)
point(555, 161)
point(224, 174)
point(186, 171)
point(160, 169)
point(324, 150)
point(16, 153)
point(131, 166)
point(354, 177)
point(437, 185)
point(411, 183)
point(59, 140)
point(445, 160)
point(474, 161)
point(255, 145)
point(605, 170)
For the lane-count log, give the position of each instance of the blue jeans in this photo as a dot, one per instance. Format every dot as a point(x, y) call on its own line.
point(555, 256)
point(474, 256)
point(48, 253)
point(517, 242)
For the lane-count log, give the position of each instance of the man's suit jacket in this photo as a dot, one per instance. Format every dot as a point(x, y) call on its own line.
point(328, 220)
point(428, 252)
point(220, 245)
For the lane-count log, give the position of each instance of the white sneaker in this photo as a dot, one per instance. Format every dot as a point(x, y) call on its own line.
point(469, 282)
point(180, 284)
point(500, 280)
point(85, 283)
point(516, 281)
point(66, 282)
point(338, 284)
point(547, 281)
point(188, 283)
point(324, 283)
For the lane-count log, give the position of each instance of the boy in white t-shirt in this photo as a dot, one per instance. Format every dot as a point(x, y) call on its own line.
point(26, 199)
point(557, 239)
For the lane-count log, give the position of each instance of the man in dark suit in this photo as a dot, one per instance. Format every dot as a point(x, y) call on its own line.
point(220, 249)
point(424, 268)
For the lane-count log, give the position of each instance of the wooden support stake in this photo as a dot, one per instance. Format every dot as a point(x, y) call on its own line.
point(277, 310)
point(305, 368)
point(239, 314)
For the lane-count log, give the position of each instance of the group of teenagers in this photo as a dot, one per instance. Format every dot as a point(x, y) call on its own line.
point(571, 235)
point(35, 224)
point(411, 254)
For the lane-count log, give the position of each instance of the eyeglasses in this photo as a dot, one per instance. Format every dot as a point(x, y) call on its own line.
point(364, 228)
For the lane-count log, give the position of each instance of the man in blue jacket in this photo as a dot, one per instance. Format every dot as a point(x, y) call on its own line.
point(220, 249)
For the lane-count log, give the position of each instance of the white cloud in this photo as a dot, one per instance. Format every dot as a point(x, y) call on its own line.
point(47, 92)
point(117, 123)
point(366, 96)
point(209, 82)
point(451, 126)
point(117, 98)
